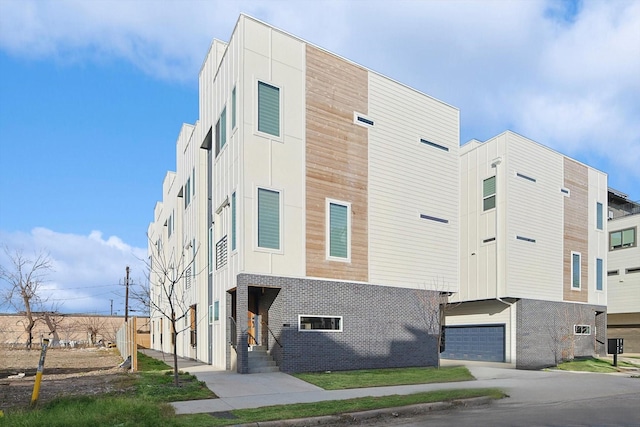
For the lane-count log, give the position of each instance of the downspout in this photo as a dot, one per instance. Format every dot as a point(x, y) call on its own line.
point(512, 314)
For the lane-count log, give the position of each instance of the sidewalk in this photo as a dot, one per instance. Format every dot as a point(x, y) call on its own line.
point(238, 391)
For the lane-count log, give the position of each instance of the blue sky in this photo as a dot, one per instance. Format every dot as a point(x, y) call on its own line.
point(93, 94)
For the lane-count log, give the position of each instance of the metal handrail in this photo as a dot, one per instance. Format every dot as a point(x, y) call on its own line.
point(271, 332)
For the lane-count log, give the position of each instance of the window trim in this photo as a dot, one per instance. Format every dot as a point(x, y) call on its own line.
point(494, 194)
point(599, 216)
point(582, 330)
point(234, 221)
point(635, 238)
point(234, 105)
point(579, 287)
point(363, 120)
point(327, 206)
point(257, 110)
point(600, 275)
point(300, 316)
point(258, 248)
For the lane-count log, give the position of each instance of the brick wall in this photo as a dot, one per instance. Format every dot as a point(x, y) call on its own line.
point(545, 332)
point(382, 326)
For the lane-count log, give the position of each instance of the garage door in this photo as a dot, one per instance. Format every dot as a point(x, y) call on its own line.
point(474, 342)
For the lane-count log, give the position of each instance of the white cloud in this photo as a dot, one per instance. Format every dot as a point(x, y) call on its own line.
point(88, 271)
point(565, 77)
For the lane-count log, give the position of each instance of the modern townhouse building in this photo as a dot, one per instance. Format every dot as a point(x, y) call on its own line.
point(177, 247)
point(533, 256)
point(623, 271)
point(329, 199)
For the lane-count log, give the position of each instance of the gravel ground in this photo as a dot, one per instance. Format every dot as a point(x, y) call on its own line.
point(67, 371)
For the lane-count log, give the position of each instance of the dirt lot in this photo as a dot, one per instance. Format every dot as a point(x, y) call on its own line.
point(77, 371)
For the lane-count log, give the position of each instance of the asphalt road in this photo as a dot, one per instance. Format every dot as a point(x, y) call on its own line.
point(542, 398)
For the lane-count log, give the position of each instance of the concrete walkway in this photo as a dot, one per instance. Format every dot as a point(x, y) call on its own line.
point(238, 391)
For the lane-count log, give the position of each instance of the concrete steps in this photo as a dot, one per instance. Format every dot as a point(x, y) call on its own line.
point(260, 361)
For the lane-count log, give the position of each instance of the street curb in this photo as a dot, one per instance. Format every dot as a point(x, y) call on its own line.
point(358, 417)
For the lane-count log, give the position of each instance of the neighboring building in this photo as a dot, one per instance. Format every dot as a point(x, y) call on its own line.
point(332, 196)
point(623, 271)
point(533, 256)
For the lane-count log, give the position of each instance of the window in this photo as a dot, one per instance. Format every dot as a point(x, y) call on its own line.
point(565, 191)
point(632, 270)
point(575, 270)
point(362, 120)
point(187, 278)
point(488, 240)
point(434, 218)
point(211, 315)
point(187, 193)
point(622, 239)
point(599, 216)
point(233, 221)
point(523, 176)
point(320, 323)
point(268, 219)
point(613, 272)
point(221, 131)
point(526, 239)
point(338, 230)
point(581, 330)
point(434, 145)
point(599, 274)
point(210, 257)
point(489, 193)
point(268, 109)
point(216, 311)
point(233, 108)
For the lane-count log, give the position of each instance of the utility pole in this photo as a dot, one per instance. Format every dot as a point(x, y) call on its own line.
point(111, 306)
point(126, 298)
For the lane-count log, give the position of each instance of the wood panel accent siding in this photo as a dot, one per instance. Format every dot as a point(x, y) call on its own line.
point(336, 160)
point(576, 228)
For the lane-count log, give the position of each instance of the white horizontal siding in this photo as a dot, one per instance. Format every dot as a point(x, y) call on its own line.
point(408, 178)
point(534, 210)
point(624, 289)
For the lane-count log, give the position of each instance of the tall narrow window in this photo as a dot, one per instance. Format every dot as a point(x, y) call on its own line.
point(210, 257)
point(575, 270)
point(489, 193)
point(338, 229)
point(599, 274)
point(221, 131)
point(233, 108)
point(268, 109)
point(233, 221)
point(187, 193)
point(599, 220)
point(268, 219)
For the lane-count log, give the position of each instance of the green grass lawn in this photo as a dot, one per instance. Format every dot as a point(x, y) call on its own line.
point(340, 380)
point(142, 400)
point(592, 364)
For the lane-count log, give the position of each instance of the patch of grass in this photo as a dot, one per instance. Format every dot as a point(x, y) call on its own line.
point(334, 407)
point(588, 365)
point(89, 411)
point(340, 380)
point(146, 363)
point(159, 387)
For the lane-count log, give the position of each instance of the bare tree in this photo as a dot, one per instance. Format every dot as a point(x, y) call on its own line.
point(53, 321)
point(433, 303)
point(94, 325)
point(23, 291)
point(165, 292)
